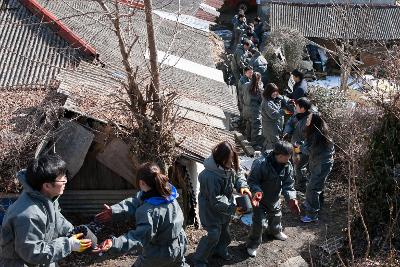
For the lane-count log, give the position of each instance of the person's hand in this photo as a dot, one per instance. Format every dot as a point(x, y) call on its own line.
point(294, 206)
point(287, 112)
point(296, 149)
point(78, 244)
point(240, 211)
point(105, 215)
point(103, 247)
point(245, 190)
point(256, 199)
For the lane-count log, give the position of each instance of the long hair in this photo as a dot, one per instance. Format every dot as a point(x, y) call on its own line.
point(151, 174)
point(221, 153)
point(255, 84)
point(319, 129)
point(269, 89)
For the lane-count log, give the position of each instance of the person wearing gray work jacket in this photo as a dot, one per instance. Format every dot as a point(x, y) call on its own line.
point(259, 64)
point(34, 232)
point(320, 150)
point(159, 233)
point(243, 86)
point(240, 59)
point(271, 175)
point(252, 110)
point(295, 132)
point(272, 112)
point(216, 203)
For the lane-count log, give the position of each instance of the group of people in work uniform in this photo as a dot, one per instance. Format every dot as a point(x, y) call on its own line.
point(297, 154)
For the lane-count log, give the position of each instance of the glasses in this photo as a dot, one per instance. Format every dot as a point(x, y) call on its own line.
point(63, 181)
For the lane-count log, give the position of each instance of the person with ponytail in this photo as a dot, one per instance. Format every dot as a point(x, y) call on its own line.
point(252, 110)
point(216, 203)
point(159, 232)
point(320, 150)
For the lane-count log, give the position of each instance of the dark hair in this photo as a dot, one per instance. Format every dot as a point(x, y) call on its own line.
point(298, 74)
point(151, 174)
point(257, 19)
point(319, 129)
point(253, 50)
point(247, 68)
point(221, 153)
point(255, 83)
point(269, 89)
point(240, 16)
point(45, 169)
point(304, 102)
point(283, 148)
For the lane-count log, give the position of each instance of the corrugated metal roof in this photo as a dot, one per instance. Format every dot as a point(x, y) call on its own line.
point(338, 21)
point(30, 53)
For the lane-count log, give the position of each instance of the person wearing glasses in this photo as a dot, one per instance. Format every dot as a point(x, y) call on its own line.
point(34, 232)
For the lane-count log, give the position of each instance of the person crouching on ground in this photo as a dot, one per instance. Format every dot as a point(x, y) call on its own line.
point(216, 203)
point(271, 175)
point(159, 232)
point(320, 150)
point(34, 232)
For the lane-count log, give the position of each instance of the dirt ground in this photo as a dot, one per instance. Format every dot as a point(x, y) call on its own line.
point(303, 240)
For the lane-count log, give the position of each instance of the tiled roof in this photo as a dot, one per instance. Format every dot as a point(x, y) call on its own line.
point(338, 21)
point(92, 92)
point(30, 53)
point(179, 40)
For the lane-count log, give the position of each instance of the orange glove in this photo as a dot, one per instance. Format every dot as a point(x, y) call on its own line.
point(105, 215)
point(103, 247)
point(287, 112)
point(294, 206)
point(256, 199)
point(245, 190)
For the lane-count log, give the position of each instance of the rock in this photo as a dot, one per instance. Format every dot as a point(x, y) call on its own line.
point(294, 262)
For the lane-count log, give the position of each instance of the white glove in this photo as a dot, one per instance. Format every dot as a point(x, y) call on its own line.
point(79, 245)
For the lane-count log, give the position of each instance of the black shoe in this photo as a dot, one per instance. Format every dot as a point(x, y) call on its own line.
point(227, 256)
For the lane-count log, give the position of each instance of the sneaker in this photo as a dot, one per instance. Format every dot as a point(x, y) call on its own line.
point(281, 236)
point(252, 252)
point(308, 219)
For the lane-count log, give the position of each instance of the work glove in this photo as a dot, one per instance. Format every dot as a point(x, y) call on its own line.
point(245, 190)
point(294, 206)
point(287, 112)
point(105, 215)
point(79, 245)
point(256, 199)
point(103, 247)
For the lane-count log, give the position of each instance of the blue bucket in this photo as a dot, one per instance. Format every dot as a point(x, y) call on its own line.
point(4, 204)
